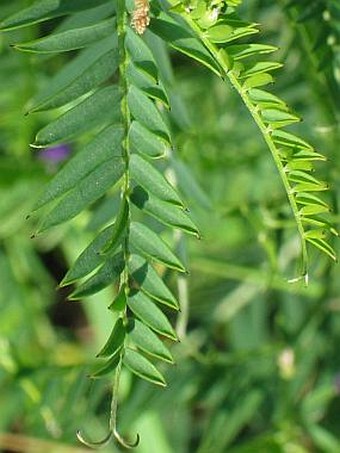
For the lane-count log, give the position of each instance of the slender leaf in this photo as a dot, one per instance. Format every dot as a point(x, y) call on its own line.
point(142, 367)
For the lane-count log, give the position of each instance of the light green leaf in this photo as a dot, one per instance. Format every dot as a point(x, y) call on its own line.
point(322, 245)
point(47, 9)
point(89, 259)
point(152, 180)
point(107, 274)
point(143, 141)
point(146, 340)
point(142, 367)
point(106, 145)
point(150, 282)
point(145, 111)
point(257, 81)
point(313, 209)
point(150, 244)
point(279, 118)
point(308, 156)
point(101, 107)
point(115, 341)
point(180, 38)
point(303, 177)
point(240, 51)
point(266, 99)
point(259, 68)
point(151, 315)
point(85, 193)
point(120, 301)
point(219, 33)
point(168, 214)
point(310, 199)
point(82, 74)
point(75, 38)
point(290, 140)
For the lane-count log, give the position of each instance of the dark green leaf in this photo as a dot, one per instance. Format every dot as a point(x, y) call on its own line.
point(142, 141)
point(101, 107)
point(85, 193)
point(106, 145)
point(152, 180)
point(151, 245)
point(106, 368)
point(168, 214)
point(115, 341)
point(140, 366)
point(150, 282)
point(106, 275)
point(151, 315)
point(146, 340)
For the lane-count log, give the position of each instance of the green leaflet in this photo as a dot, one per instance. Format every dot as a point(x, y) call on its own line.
point(75, 38)
point(168, 214)
point(115, 341)
point(240, 51)
point(83, 194)
point(266, 99)
point(141, 55)
point(106, 368)
point(181, 39)
point(143, 141)
point(120, 301)
point(146, 340)
point(99, 108)
point(259, 68)
point(258, 80)
point(47, 9)
point(140, 366)
point(118, 227)
point(106, 145)
point(303, 177)
point(85, 72)
point(151, 315)
point(323, 246)
point(106, 275)
point(150, 282)
point(151, 245)
point(309, 199)
point(290, 140)
point(220, 33)
point(279, 118)
point(152, 180)
point(145, 111)
point(141, 81)
point(89, 259)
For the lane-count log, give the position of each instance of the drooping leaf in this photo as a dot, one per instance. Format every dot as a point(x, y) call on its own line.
point(151, 245)
point(150, 282)
point(99, 108)
point(240, 51)
point(152, 180)
point(143, 141)
point(106, 275)
point(106, 145)
point(92, 187)
point(322, 245)
point(85, 72)
point(146, 340)
point(142, 367)
point(115, 341)
point(89, 259)
point(168, 214)
point(106, 368)
point(75, 38)
point(47, 9)
point(144, 111)
point(148, 312)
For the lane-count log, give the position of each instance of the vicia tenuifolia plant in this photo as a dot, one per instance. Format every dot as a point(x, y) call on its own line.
point(113, 87)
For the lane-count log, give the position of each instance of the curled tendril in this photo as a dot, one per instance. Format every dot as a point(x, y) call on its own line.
point(95, 445)
point(102, 443)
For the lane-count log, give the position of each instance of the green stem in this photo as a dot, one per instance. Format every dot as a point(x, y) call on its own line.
point(266, 133)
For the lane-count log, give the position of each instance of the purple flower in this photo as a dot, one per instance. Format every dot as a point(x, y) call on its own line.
point(55, 154)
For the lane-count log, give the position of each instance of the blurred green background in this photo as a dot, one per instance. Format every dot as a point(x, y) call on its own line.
point(258, 369)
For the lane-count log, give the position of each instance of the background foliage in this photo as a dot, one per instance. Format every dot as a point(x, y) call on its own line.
point(258, 369)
